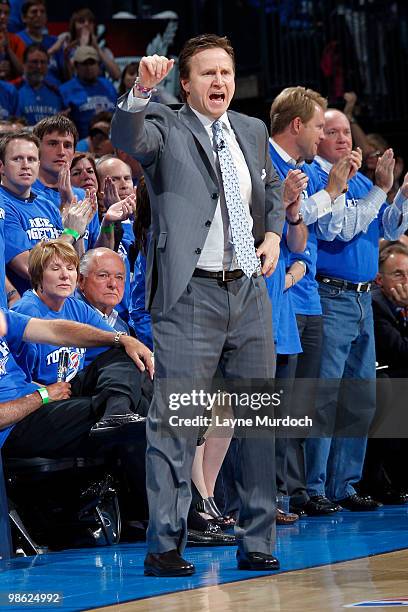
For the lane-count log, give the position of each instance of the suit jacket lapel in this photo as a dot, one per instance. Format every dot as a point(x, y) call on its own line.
point(192, 122)
point(248, 143)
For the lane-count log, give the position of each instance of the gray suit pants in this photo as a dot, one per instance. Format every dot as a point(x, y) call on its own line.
point(213, 323)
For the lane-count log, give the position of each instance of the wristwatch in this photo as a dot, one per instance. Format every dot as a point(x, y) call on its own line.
point(118, 335)
point(43, 391)
point(295, 222)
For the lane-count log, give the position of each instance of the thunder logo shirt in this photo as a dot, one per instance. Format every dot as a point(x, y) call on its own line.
point(42, 359)
point(27, 221)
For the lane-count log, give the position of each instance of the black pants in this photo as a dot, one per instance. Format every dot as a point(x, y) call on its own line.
point(61, 428)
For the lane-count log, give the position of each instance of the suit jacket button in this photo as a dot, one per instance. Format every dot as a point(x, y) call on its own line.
point(214, 196)
point(207, 223)
point(198, 251)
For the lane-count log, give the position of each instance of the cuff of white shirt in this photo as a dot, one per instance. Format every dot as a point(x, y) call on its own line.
point(323, 203)
point(132, 104)
point(376, 196)
point(401, 202)
point(339, 203)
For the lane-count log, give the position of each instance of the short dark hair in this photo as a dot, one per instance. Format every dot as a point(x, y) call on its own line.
point(56, 123)
point(29, 3)
point(34, 47)
point(11, 136)
point(396, 248)
point(195, 45)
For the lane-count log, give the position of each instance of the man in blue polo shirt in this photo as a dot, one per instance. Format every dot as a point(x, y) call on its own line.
point(37, 98)
point(345, 268)
point(87, 93)
point(297, 120)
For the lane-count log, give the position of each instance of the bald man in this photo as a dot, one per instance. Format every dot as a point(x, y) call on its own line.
point(346, 267)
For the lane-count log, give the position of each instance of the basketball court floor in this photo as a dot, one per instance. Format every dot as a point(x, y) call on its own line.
point(328, 563)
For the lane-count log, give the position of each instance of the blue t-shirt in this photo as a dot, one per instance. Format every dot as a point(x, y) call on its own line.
point(13, 381)
point(85, 100)
point(357, 259)
point(27, 222)
point(52, 195)
point(42, 359)
point(305, 296)
point(37, 104)
point(3, 298)
point(56, 61)
point(8, 100)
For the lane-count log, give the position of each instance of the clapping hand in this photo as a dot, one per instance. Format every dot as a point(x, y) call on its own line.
point(120, 211)
point(78, 215)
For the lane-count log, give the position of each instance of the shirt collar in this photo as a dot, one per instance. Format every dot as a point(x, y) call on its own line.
point(285, 156)
point(208, 121)
point(30, 198)
point(324, 164)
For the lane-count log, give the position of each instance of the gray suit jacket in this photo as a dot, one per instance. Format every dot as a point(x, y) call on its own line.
point(176, 154)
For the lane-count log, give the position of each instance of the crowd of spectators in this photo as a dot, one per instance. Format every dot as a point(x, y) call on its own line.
point(74, 237)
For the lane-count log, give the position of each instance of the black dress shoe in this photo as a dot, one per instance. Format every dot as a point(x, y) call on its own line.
point(317, 505)
point(356, 503)
point(167, 564)
point(257, 561)
point(212, 536)
point(114, 422)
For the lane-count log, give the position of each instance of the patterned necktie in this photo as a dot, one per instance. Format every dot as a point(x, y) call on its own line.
point(242, 237)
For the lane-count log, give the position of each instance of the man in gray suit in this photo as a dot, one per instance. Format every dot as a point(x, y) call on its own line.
point(205, 288)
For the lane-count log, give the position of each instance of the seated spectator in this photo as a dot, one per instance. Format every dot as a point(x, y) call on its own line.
point(82, 32)
point(29, 412)
point(115, 179)
point(58, 137)
point(83, 172)
point(34, 15)
point(384, 470)
point(37, 98)
point(87, 93)
point(98, 142)
point(11, 47)
point(53, 269)
point(29, 216)
point(101, 284)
